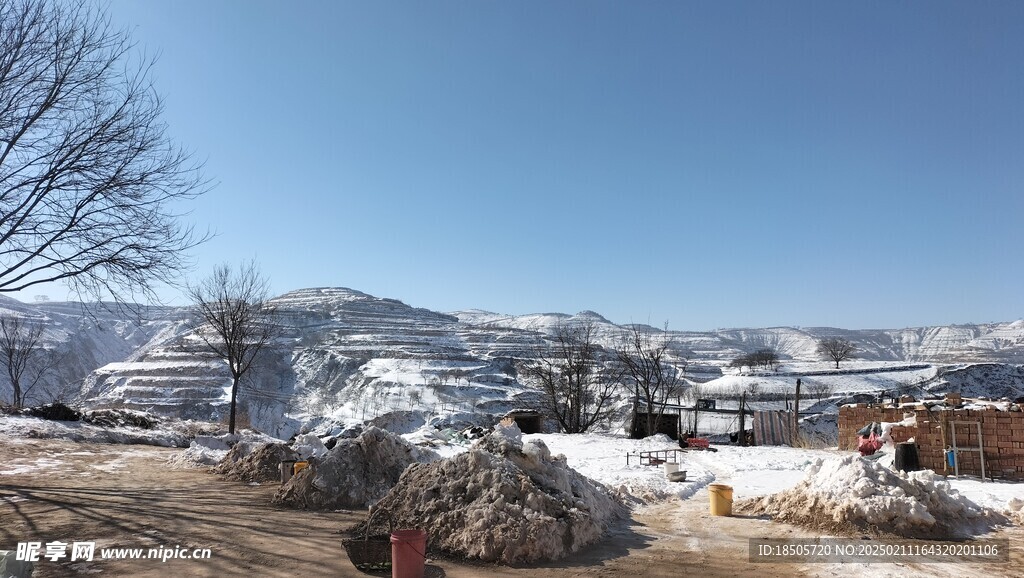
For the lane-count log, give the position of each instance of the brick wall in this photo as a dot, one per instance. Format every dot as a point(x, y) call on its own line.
point(1002, 432)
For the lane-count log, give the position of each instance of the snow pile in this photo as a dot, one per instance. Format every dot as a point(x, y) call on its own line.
point(196, 457)
point(354, 474)
point(399, 422)
point(502, 501)
point(309, 446)
point(446, 442)
point(255, 462)
point(203, 451)
point(326, 427)
point(853, 494)
point(1016, 509)
point(508, 432)
point(211, 450)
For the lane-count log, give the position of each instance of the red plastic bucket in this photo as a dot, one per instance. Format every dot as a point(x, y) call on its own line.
point(408, 553)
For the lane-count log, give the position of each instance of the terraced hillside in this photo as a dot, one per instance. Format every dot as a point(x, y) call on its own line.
point(343, 352)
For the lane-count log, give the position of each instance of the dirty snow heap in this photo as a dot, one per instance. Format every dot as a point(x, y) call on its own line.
point(255, 462)
point(354, 474)
point(856, 495)
point(501, 501)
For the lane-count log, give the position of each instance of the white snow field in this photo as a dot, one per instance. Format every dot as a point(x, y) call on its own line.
point(751, 471)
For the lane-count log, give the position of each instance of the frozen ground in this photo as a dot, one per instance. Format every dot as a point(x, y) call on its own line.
point(752, 471)
point(675, 536)
point(32, 427)
point(55, 461)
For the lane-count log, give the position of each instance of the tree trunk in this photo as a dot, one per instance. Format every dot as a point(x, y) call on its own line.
point(636, 413)
point(234, 397)
point(742, 439)
point(651, 422)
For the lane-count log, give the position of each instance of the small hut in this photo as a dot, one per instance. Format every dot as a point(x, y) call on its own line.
point(529, 421)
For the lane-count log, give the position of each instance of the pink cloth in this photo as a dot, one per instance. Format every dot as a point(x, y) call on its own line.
point(869, 445)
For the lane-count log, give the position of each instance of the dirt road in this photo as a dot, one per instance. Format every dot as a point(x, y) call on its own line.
point(127, 497)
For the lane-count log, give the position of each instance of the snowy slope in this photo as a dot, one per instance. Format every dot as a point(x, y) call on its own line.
point(82, 340)
point(350, 355)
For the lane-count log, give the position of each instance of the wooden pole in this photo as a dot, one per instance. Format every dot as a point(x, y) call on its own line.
point(796, 414)
point(743, 422)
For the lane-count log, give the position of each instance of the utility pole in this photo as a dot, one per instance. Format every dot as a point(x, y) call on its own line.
point(743, 422)
point(796, 414)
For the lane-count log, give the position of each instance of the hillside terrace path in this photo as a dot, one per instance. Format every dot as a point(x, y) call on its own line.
point(128, 497)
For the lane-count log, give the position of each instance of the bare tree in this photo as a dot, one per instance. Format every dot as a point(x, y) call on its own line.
point(819, 390)
point(647, 368)
point(235, 319)
point(415, 398)
point(23, 356)
point(90, 184)
point(837, 349)
point(577, 387)
point(766, 357)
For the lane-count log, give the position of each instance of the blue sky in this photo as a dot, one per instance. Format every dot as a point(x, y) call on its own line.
point(712, 164)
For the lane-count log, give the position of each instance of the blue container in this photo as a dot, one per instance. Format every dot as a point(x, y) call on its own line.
point(951, 458)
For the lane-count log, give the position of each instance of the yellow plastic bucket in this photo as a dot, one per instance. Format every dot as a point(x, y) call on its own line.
point(299, 466)
point(721, 499)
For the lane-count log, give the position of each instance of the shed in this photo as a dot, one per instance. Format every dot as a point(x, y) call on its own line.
point(529, 421)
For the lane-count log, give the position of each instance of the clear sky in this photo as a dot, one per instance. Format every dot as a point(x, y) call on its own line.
point(712, 164)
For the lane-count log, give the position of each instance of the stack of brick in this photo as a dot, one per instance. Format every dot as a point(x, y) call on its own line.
point(1001, 431)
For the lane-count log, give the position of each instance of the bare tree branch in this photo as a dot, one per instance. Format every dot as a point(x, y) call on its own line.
point(648, 369)
point(577, 386)
point(837, 349)
point(90, 185)
point(235, 319)
point(23, 356)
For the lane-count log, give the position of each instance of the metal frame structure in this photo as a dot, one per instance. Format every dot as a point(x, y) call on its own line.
point(656, 457)
point(956, 450)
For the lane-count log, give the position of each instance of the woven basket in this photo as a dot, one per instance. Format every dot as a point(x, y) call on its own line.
point(369, 554)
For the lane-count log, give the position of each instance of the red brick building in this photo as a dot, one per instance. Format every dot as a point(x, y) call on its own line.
point(1000, 435)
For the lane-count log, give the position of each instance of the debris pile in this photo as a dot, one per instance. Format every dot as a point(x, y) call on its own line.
point(258, 463)
point(502, 501)
point(121, 418)
point(53, 411)
point(856, 495)
point(355, 473)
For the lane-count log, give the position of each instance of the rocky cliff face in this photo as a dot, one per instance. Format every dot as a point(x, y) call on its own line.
point(343, 352)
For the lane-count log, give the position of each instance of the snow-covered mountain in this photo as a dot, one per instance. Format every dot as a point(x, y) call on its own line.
point(77, 340)
point(345, 351)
